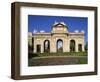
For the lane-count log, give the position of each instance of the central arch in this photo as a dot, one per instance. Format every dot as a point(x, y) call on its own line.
point(59, 45)
point(72, 45)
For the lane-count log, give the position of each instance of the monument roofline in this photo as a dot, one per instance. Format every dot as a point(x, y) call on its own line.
point(59, 23)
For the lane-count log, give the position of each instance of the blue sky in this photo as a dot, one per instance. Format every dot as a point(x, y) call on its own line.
point(40, 22)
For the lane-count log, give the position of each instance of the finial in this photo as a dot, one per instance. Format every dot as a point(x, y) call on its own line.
point(82, 31)
point(55, 21)
point(34, 31)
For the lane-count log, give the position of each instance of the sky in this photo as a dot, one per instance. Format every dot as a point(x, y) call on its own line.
point(40, 22)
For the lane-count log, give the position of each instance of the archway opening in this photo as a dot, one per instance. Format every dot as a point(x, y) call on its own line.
point(80, 47)
point(72, 45)
point(38, 48)
point(46, 46)
point(59, 45)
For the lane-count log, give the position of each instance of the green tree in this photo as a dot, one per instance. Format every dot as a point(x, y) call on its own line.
point(86, 46)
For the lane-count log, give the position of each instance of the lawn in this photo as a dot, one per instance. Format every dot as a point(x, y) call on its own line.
point(31, 55)
point(67, 58)
point(57, 60)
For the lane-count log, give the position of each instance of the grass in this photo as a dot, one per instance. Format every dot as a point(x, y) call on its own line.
point(57, 60)
point(84, 61)
point(42, 59)
point(31, 55)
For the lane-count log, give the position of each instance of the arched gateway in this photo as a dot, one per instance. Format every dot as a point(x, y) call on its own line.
point(72, 45)
point(46, 46)
point(59, 45)
point(58, 40)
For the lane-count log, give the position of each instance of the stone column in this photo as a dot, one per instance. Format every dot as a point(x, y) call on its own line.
point(83, 47)
point(76, 46)
point(68, 46)
point(64, 45)
point(34, 44)
point(42, 47)
point(53, 45)
point(50, 45)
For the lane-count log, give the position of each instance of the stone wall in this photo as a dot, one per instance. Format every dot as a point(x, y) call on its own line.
point(53, 37)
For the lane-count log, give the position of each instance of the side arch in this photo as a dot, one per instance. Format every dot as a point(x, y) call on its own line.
point(46, 46)
point(72, 45)
point(80, 47)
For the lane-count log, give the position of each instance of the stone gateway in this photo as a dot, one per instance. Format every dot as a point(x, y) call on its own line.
point(58, 40)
